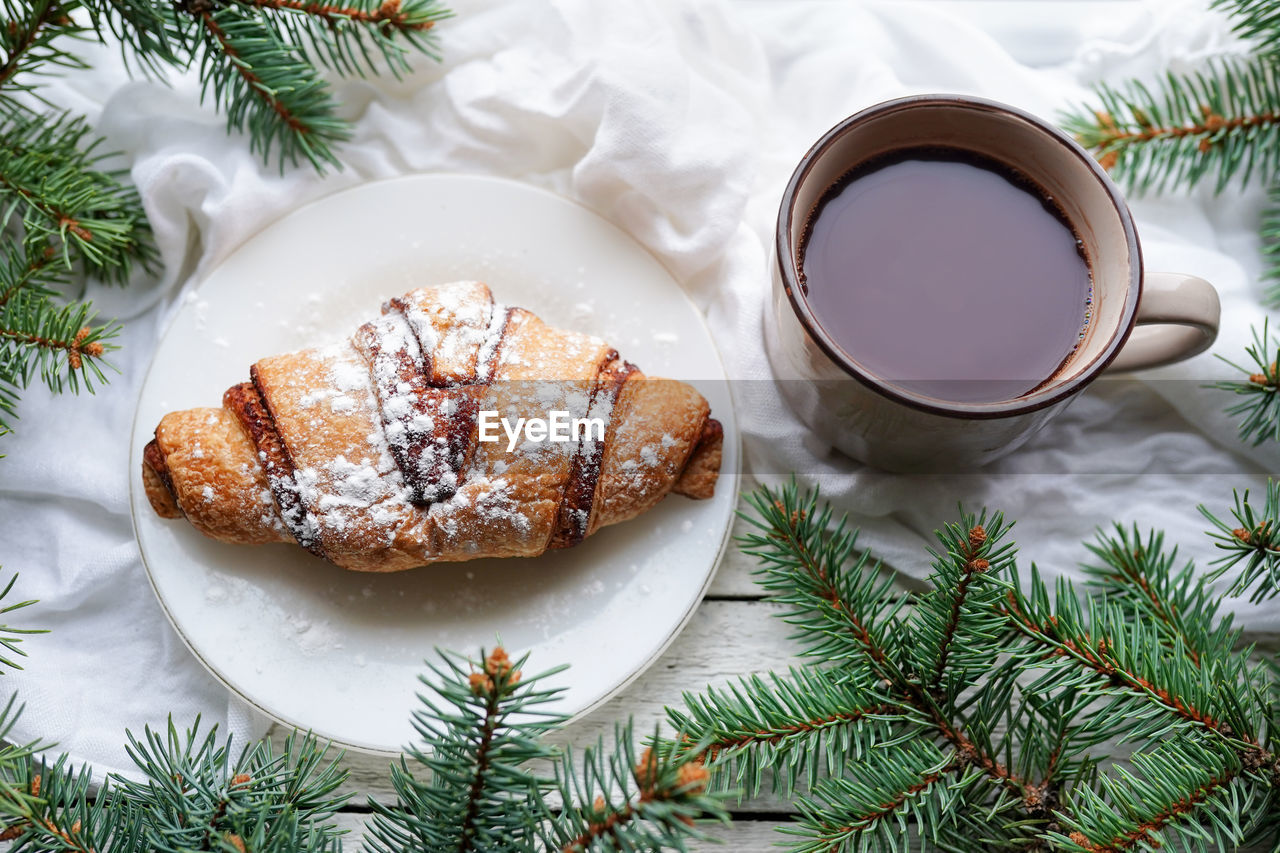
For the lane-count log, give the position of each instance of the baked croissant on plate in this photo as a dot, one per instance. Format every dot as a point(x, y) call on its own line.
point(404, 445)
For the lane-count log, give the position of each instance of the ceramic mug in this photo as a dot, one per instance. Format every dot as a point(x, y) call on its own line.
point(1139, 319)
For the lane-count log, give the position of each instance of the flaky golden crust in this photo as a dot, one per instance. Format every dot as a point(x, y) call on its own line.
point(698, 480)
point(216, 479)
point(368, 452)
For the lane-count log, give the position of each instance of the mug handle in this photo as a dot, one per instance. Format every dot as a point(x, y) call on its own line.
point(1177, 318)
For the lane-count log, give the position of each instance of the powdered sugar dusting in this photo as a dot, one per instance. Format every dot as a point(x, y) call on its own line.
point(408, 385)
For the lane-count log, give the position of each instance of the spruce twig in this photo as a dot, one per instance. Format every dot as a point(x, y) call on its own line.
point(843, 614)
point(482, 752)
point(1183, 794)
point(1140, 575)
point(265, 87)
point(1221, 123)
point(73, 216)
point(201, 794)
point(52, 183)
point(617, 801)
point(354, 36)
point(11, 637)
point(1259, 408)
point(27, 41)
point(1252, 538)
point(477, 738)
point(810, 720)
point(481, 746)
point(1257, 20)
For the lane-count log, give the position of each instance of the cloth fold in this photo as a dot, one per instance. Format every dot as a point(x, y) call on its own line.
point(680, 121)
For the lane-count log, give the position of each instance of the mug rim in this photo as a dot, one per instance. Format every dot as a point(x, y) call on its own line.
point(1030, 402)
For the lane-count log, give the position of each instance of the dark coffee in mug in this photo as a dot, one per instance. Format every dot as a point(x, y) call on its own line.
point(948, 274)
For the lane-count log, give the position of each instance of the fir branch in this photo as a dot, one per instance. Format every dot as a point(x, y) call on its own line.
point(618, 802)
point(28, 31)
point(1140, 575)
point(1193, 792)
point(56, 811)
point(351, 36)
point(1223, 122)
point(199, 795)
point(477, 794)
point(842, 613)
point(1259, 409)
point(17, 800)
point(1053, 735)
point(34, 272)
point(1258, 20)
point(52, 181)
point(195, 798)
point(957, 626)
point(1098, 649)
point(257, 63)
point(60, 343)
point(74, 217)
point(265, 88)
point(149, 34)
point(1014, 698)
point(1254, 540)
point(801, 726)
point(11, 638)
point(872, 809)
point(842, 604)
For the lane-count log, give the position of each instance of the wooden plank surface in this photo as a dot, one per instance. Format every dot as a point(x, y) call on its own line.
point(742, 835)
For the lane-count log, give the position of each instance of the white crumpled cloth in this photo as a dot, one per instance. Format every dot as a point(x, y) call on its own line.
point(679, 121)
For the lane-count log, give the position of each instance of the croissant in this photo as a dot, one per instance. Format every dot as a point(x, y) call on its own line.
point(395, 448)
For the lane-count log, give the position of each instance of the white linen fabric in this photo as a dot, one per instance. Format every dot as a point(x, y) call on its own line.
point(680, 122)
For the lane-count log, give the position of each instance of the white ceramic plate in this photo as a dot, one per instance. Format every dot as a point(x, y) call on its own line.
point(340, 652)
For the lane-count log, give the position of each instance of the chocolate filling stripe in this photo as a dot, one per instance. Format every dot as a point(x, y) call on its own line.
point(413, 419)
point(421, 365)
point(573, 520)
point(712, 430)
point(490, 354)
point(429, 422)
point(153, 457)
point(250, 407)
point(459, 405)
